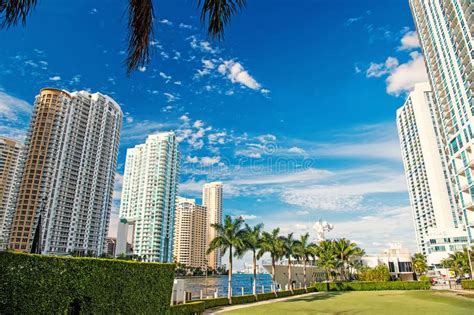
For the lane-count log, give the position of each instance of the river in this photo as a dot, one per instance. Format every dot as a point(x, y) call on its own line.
point(239, 281)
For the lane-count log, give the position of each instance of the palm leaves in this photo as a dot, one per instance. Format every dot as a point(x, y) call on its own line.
point(251, 242)
point(290, 249)
point(344, 249)
point(271, 243)
point(305, 251)
point(230, 236)
point(140, 22)
point(419, 263)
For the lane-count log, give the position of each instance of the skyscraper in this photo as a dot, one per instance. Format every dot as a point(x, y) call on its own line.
point(190, 233)
point(149, 194)
point(10, 151)
point(445, 31)
point(212, 200)
point(431, 198)
point(69, 170)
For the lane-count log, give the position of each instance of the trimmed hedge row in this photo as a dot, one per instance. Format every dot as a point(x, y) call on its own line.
point(197, 307)
point(210, 303)
point(36, 284)
point(244, 299)
point(467, 284)
point(373, 286)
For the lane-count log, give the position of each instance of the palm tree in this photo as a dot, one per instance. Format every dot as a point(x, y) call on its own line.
point(344, 249)
point(141, 16)
point(326, 257)
point(419, 263)
point(289, 245)
point(230, 236)
point(271, 243)
point(305, 250)
point(251, 241)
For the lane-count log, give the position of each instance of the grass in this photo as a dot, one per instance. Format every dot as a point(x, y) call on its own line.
point(369, 302)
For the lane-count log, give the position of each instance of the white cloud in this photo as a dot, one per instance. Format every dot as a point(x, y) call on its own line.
point(379, 69)
point(404, 77)
point(170, 97)
point(248, 217)
point(93, 11)
point(185, 26)
point(208, 160)
point(11, 107)
point(142, 69)
point(166, 22)
point(184, 118)
point(165, 76)
point(55, 78)
point(410, 41)
point(193, 159)
point(198, 124)
point(353, 20)
point(237, 74)
point(296, 150)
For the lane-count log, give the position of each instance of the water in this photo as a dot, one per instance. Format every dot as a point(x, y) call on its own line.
point(209, 285)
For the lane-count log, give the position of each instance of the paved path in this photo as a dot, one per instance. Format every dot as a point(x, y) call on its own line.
point(223, 309)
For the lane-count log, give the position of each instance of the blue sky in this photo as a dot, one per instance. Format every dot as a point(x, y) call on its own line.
point(294, 111)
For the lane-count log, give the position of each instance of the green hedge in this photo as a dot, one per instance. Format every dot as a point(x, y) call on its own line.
point(210, 303)
point(266, 296)
point(467, 284)
point(36, 284)
point(197, 307)
point(243, 299)
point(284, 293)
point(373, 286)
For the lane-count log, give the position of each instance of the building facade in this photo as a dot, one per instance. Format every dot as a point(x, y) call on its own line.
point(445, 29)
point(212, 200)
point(149, 194)
point(429, 187)
point(190, 233)
point(10, 153)
point(68, 176)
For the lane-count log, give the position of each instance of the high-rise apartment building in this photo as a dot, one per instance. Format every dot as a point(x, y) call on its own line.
point(445, 29)
point(212, 200)
point(68, 175)
point(10, 152)
point(149, 194)
point(431, 197)
point(190, 233)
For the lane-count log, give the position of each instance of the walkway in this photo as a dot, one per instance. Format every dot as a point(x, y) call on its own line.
point(223, 309)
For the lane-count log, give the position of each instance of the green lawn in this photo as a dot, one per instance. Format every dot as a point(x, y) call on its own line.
point(369, 302)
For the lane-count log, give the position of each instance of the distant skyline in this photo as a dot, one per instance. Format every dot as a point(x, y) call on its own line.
point(294, 112)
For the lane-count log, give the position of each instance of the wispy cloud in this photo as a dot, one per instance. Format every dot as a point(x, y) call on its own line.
point(11, 108)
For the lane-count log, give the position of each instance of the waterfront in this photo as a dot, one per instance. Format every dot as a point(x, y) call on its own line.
point(210, 284)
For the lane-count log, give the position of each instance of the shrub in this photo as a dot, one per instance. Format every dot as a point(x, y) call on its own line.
point(379, 273)
point(298, 291)
point(424, 278)
point(33, 284)
point(266, 296)
point(467, 284)
point(284, 293)
point(210, 303)
point(243, 299)
point(373, 286)
point(197, 307)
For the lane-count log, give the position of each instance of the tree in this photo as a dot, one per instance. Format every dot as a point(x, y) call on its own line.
point(344, 249)
point(305, 250)
point(420, 265)
point(272, 243)
point(458, 262)
point(289, 245)
point(230, 236)
point(379, 273)
point(326, 257)
point(251, 242)
point(141, 15)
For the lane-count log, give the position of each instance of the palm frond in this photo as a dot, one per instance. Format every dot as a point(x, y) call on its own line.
point(14, 11)
point(140, 27)
point(218, 14)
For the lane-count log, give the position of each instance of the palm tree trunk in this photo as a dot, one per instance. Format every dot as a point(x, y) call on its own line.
point(229, 284)
point(290, 286)
point(304, 274)
point(273, 275)
point(255, 274)
point(343, 273)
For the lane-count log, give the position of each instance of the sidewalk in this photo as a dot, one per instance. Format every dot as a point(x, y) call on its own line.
point(223, 309)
